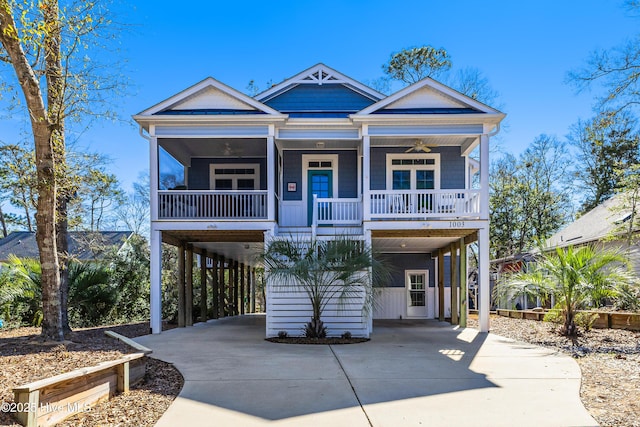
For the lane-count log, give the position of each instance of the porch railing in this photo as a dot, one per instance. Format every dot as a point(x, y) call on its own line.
point(205, 204)
point(408, 204)
point(329, 211)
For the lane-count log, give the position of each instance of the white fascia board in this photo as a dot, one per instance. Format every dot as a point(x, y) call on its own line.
point(315, 122)
point(208, 82)
point(477, 118)
point(199, 225)
point(439, 87)
point(187, 121)
point(299, 79)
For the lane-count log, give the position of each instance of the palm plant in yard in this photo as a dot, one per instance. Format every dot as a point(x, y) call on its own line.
point(577, 278)
point(325, 270)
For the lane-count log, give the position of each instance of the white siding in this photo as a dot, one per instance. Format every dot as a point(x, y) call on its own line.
point(211, 98)
point(290, 310)
point(391, 303)
point(426, 98)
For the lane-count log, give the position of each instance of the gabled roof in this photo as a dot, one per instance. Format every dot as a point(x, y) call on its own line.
point(209, 97)
point(428, 96)
point(319, 74)
point(599, 223)
point(83, 245)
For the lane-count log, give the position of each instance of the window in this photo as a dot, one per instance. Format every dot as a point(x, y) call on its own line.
point(243, 177)
point(417, 290)
point(413, 171)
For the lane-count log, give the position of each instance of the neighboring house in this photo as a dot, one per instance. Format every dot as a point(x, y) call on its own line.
point(320, 154)
point(605, 225)
point(83, 245)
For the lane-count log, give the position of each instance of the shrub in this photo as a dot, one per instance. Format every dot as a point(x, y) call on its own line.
point(346, 335)
point(554, 316)
point(586, 319)
point(283, 334)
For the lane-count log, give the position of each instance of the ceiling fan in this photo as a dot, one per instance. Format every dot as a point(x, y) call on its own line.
point(420, 145)
point(229, 150)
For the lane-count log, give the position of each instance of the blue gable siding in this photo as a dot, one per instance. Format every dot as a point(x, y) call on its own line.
point(199, 170)
point(328, 97)
point(347, 173)
point(452, 167)
point(398, 263)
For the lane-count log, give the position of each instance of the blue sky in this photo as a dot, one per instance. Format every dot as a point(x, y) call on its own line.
point(525, 50)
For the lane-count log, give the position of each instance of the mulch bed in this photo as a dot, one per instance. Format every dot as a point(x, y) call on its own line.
point(324, 341)
point(25, 357)
point(608, 358)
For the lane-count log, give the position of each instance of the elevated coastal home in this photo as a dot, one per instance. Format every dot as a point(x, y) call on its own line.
point(321, 154)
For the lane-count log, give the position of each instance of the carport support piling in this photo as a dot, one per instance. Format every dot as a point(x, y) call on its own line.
point(181, 296)
point(189, 288)
point(235, 288)
point(221, 307)
point(242, 288)
point(252, 292)
point(214, 285)
point(464, 294)
point(441, 285)
point(203, 286)
point(454, 283)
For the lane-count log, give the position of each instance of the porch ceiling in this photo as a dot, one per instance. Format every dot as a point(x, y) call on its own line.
point(417, 241)
point(448, 140)
point(183, 149)
point(242, 246)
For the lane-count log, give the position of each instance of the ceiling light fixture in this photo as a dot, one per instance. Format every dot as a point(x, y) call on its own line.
point(319, 144)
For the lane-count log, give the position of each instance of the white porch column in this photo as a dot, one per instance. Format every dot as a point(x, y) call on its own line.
point(366, 173)
point(483, 238)
point(483, 279)
point(153, 178)
point(156, 281)
point(484, 177)
point(271, 175)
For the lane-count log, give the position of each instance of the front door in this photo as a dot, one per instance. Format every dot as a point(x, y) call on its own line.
point(320, 183)
point(417, 293)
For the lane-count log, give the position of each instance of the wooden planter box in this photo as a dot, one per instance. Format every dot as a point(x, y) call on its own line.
point(51, 400)
point(606, 319)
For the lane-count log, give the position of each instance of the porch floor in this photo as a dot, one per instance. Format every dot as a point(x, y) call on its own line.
point(411, 372)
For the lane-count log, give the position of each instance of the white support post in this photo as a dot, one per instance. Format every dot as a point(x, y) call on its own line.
point(271, 178)
point(156, 281)
point(366, 174)
point(314, 217)
point(369, 311)
point(484, 177)
point(484, 287)
point(483, 279)
point(153, 178)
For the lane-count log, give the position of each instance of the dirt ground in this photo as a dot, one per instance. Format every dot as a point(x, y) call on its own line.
point(24, 358)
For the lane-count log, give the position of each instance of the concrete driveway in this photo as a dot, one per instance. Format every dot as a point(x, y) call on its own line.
point(411, 373)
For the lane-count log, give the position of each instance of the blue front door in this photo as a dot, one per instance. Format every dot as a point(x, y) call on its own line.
point(320, 183)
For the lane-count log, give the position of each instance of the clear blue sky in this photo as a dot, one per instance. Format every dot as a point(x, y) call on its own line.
point(525, 50)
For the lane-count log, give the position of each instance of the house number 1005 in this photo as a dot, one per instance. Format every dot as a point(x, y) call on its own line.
point(456, 224)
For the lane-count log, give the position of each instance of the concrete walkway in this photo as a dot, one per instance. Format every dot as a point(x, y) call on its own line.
point(411, 373)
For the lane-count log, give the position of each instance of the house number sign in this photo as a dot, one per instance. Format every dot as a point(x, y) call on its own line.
point(456, 224)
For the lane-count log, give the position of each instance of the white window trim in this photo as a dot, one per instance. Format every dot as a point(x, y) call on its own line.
point(255, 176)
point(399, 156)
point(407, 286)
point(306, 158)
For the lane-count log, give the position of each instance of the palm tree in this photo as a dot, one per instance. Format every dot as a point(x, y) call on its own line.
point(577, 277)
point(20, 290)
point(325, 270)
